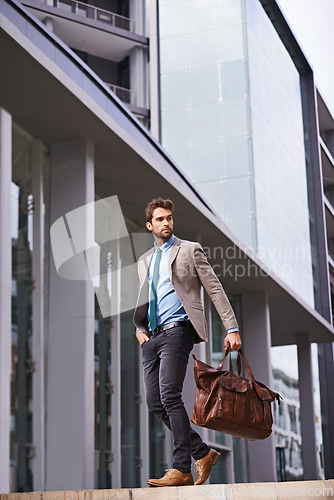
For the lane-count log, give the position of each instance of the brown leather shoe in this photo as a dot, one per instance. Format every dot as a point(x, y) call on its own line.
point(173, 478)
point(204, 466)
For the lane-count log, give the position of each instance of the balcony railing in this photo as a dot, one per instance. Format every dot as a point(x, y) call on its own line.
point(126, 95)
point(92, 12)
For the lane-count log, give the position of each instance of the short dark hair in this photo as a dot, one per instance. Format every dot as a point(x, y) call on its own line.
point(157, 203)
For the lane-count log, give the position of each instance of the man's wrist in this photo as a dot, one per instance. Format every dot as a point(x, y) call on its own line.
point(232, 330)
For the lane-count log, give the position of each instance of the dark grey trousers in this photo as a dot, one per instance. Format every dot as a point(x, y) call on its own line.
point(165, 359)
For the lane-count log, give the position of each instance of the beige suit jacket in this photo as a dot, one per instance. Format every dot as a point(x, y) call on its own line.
point(189, 270)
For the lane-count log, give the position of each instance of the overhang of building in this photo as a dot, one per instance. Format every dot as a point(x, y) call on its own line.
point(56, 97)
point(96, 37)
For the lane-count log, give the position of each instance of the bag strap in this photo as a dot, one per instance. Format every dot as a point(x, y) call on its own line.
point(227, 352)
point(242, 355)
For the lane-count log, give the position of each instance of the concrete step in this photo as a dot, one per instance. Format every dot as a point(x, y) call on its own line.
point(296, 490)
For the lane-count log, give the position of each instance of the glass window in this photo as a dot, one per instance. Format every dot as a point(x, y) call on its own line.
point(207, 161)
point(176, 93)
point(235, 119)
point(130, 401)
point(229, 11)
point(202, 19)
point(219, 473)
point(231, 43)
point(237, 156)
point(205, 85)
point(286, 416)
point(279, 156)
point(206, 122)
point(233, 78)
point(204, 48)
point(217, 337)
point(173, 53)
point(157, 439)
point(102, 391)
point(239, 460)
point(110, 331)
point(21, 438)
point(172, 19)
point(177, 129)
point(232, 189)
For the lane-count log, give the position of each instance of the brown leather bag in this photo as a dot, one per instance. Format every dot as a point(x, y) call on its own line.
point(230, 403)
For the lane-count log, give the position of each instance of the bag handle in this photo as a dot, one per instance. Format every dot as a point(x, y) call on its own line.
point(227, 352)
point(244, 359)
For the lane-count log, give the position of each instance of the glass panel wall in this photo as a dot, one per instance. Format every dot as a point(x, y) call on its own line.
point(287, 414)
point(218, 334)
point(205, 104)
point(130, 401)
point(157, 438)
point(112, 335)
point(21, 439)
point(279, 155)
point(219, 473)
point(231, 117)
point(27, 303)
point(103, 390)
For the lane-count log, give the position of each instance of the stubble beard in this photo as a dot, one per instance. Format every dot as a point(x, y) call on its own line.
point(163, 235)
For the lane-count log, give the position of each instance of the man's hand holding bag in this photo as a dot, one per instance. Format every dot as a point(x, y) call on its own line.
point(230, 403)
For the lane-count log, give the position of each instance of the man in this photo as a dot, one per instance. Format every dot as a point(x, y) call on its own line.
point(169, 319)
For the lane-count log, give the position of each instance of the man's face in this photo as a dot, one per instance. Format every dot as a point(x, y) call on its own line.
point(162, 223)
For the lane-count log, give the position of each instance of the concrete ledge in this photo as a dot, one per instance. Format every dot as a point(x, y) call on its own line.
point(301, 490)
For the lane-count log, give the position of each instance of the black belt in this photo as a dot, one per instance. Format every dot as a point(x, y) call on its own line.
point(167, 326)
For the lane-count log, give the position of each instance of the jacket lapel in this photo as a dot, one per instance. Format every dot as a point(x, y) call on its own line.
point(173, 253)
point(146, 263)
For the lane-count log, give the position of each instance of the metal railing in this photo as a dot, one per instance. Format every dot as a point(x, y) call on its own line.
point(92, 12)
point(126, 95)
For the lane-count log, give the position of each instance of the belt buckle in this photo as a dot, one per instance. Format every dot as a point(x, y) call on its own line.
point(154, 332)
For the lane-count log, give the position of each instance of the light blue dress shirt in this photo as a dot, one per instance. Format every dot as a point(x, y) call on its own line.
point(169, 307)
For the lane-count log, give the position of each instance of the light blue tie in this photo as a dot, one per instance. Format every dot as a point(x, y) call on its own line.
point(152, 309)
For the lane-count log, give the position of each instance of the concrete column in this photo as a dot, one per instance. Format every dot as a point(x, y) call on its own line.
point(154, 70)
point(70, 343)
point(137, 15)
point(5, 295)
point(139, 56)
point(307, 414)
point(48, 21)
point(138, 76)
point(256, 339)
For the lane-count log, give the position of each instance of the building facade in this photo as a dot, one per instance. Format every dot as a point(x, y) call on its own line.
point(79, 92)
point(261, 156)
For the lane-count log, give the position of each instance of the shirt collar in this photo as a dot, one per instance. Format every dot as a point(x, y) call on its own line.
point(166, 245)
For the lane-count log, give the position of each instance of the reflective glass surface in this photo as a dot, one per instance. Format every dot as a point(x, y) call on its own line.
point(219, 473)
point(157, 440)
point(217, 356)
point(130, 401)
point(287, 415)
point(109, 332)
point(282, 214)
point(205, 104)
point(21, 212)
point(232, 119)
point(102, 391)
